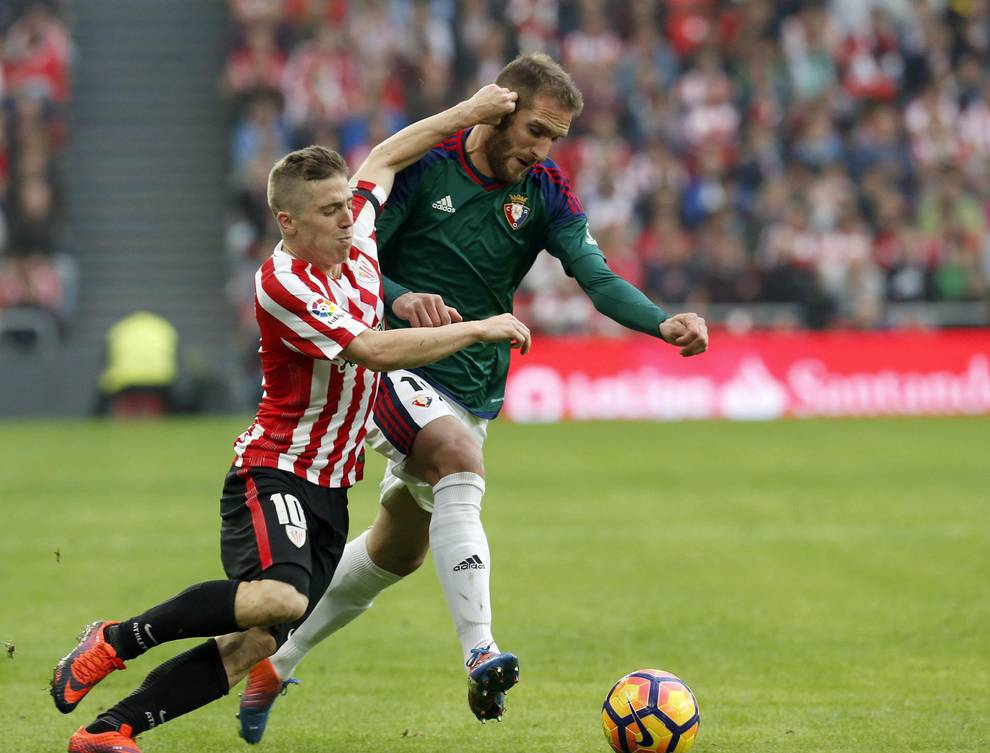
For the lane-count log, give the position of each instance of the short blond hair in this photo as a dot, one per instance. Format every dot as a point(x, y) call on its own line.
point(535, 74)
point(312, 163)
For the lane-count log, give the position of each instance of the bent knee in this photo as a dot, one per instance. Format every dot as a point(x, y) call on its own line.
point(447, 450)
point(463, 454)
point(261, 603)
point(289, 605)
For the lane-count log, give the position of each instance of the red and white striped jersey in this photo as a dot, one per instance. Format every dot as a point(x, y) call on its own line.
point(314, 412)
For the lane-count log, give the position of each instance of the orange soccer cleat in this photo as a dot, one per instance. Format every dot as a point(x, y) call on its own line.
point(119, 741)
point(87, 664)
point(263, 687)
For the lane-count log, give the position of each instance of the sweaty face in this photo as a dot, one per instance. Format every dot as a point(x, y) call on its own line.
point(320, 229)
point(525, 138)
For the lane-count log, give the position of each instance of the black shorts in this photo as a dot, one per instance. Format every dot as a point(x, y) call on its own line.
point(277, 525)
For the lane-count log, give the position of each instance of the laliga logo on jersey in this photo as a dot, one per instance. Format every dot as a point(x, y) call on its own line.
point(326, 310)
point(516, 210)
point(322, 308)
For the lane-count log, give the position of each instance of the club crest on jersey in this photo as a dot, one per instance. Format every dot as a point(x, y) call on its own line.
point(296, 535)
point(516, 210)
point(327, 311)
point(364, 270)
point(422, 401)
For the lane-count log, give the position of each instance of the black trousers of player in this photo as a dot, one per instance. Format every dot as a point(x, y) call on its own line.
point(275, 525)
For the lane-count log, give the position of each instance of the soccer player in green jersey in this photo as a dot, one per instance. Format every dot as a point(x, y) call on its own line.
point(461, 229)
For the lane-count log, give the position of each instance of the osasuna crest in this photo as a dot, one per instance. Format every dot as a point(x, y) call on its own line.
point(422, 400)
point(516, 210)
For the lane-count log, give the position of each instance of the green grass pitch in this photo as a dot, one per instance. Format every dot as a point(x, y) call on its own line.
point(822, 586)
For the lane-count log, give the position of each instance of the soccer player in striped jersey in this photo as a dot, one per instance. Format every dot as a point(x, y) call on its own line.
point(284, 502)
point(462, 227)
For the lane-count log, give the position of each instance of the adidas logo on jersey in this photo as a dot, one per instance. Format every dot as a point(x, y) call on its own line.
point(445, 205)
point(471, 563)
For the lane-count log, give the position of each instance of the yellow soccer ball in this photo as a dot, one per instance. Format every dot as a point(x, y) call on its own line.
point(650, 711)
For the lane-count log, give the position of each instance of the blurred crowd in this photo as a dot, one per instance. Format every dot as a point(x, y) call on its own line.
point(831, 155)
point(35, 53)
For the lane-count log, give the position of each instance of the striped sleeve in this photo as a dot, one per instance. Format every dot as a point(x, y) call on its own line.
point(568, 236)
point(368, 201)
point(302, 317)
point(561, 202)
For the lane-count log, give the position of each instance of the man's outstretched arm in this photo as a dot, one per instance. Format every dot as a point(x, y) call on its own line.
point(626, 304)
point(488, 105)
point(409, 348)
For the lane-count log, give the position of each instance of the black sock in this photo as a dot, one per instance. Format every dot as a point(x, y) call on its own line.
point(180, 685)
point(102, 725)
point(201, 611)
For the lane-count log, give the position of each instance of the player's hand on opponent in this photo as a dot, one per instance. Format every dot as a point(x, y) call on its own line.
point(490, 104)
point(424, 310)
point(506, 327)
point(688, 332)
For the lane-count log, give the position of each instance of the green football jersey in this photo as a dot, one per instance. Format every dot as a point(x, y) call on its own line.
point(448, 229)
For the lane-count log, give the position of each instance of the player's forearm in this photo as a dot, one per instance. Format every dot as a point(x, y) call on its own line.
point(488, 105)
point(409, 348)
point(616, 298)
point(408, 145)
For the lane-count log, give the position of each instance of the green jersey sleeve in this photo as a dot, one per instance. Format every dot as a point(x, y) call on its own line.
point(573, 243)
point(392, 290)
point(616, 298)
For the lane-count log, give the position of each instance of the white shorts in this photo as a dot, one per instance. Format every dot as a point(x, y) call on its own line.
point(407, 403)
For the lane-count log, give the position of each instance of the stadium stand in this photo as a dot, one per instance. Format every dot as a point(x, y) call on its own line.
point(37, 282)
point(791, 164)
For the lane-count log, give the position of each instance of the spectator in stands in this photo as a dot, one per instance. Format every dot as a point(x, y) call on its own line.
point(931, 121)
point(708, 191)
point(591, 54)
point(32, 229)
point(261, 132)
point(670, 265)
point(871, 60)
point(322, 82)
point(257, 64)
point(878, 141)
point(34, 86)
point(709, 115)
point(810, 42)
point(31, 282)
point(817, 143)
point(727, 274)
point(36, 54)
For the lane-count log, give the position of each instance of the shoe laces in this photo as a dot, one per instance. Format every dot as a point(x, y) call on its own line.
point(95, 664)
point(478, 655)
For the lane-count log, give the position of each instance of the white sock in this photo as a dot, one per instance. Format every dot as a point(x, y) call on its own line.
point(356, 583)
point(462, 558)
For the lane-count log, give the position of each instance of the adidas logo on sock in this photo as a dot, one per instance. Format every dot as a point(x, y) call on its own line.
point(471, 563)
point(445, 205)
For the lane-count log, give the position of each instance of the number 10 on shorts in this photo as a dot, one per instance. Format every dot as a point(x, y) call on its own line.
point(290, 514)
